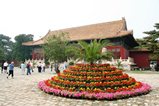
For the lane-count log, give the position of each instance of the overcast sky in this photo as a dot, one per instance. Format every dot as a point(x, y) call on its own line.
point(38, 16)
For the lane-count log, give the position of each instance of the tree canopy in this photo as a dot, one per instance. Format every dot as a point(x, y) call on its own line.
point(1, 54)
point(55, 47)
point(6, 46)
point(22, 52)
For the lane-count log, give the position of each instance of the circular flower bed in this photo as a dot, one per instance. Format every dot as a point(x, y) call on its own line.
point(97, 81)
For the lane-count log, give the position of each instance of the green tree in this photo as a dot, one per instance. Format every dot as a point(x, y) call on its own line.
point(1, 54)
point(55, 49)
point(142, 43)
point(152, 43)
point(92, 52)
point(6, 46)
point(21, 52)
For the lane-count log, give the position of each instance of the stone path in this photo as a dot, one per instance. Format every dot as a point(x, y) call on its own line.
point(23, 91)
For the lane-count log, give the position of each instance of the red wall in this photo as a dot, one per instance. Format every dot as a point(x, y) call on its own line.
point(141, 58)
point(123, 53)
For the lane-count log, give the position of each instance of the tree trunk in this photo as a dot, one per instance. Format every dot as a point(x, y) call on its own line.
point(57, 68)
point(91, 62)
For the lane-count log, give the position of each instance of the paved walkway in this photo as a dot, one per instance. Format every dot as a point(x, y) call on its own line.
point(23, 91)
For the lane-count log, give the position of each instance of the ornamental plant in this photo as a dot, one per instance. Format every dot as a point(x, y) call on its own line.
point(102, 81)
point(93, 81)
point(92, 52)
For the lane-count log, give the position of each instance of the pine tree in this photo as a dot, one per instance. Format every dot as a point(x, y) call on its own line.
point(152, 42)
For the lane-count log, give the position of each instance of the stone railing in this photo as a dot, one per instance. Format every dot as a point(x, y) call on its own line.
point(121, 63)
point(35, 62)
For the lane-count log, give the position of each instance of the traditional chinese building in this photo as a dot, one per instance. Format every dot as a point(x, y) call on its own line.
point(115, 31)
point(141, 57)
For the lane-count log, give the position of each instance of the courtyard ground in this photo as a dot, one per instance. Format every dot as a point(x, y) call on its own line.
point(23, 91)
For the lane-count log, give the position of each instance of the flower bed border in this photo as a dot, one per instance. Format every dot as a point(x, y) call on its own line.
point(99, 96)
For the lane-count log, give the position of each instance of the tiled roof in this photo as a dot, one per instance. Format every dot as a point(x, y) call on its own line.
point(95, 31)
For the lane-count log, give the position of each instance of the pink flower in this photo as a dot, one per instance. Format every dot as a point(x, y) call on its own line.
point(145, 88)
